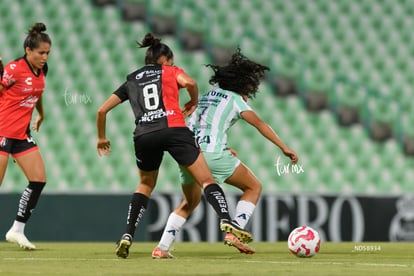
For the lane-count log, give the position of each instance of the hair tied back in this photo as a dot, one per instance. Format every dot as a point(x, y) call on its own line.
point(149, 41)
point(38, 27)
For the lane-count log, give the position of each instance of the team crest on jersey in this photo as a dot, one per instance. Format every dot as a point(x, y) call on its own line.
point(139, 75)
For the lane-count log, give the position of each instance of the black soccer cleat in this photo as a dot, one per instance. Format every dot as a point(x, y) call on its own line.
point(123, 245)
point(232, 227)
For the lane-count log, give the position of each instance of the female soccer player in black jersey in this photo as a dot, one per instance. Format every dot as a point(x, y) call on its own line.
point(153, 91)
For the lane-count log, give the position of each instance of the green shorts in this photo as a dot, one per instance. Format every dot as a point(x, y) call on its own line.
point(222, 166)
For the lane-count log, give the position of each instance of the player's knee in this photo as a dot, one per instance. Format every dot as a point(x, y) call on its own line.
point(204, 182)
point(254, 189)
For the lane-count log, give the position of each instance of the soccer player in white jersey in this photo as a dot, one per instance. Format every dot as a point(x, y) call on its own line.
point(217, 111)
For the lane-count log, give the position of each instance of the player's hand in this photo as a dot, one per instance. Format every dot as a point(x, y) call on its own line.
point(11, 81)
point(38, 121)
point(189, 108)
point(291, 154)
point(103, 146)
point(8, 85)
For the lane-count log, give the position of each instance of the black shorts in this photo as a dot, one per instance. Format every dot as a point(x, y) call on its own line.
point(179, 142)
point(17, 147)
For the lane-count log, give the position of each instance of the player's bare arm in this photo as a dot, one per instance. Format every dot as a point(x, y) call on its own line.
point(190, 84)
point(264, 129)
point(40, 116)
point(103, 145)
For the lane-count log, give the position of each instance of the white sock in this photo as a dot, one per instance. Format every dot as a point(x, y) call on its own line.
point(18, 226)
point(244, 210)
point(174, 224)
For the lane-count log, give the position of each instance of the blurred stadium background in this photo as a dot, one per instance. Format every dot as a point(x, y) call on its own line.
point(339, 92)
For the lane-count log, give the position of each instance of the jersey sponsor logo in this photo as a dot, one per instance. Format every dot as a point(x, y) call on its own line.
point(217, 93)
point(139, 75)
point(154, 115)
point(28, 81)
point(12, 66)
point(29, 101)
point(147, 73)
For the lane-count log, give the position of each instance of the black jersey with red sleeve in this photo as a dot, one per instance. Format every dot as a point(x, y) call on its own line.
point(18, 100)
point(153, 93)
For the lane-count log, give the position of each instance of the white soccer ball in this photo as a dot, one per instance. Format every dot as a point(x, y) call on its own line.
point(304, 241)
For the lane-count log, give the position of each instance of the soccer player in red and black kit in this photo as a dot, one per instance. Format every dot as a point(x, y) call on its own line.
point(21, 89)
point(153, 92)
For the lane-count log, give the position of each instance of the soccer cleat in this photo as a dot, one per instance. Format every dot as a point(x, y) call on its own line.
point(20, 239)
point(232, 227)
point(123, 245)
point(158, 253)
point(231, 240)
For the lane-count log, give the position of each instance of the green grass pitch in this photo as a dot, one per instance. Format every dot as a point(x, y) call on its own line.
point(57, 258)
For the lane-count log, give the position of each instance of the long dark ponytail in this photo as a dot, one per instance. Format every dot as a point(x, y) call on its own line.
point(156, 49)
point(35, 36)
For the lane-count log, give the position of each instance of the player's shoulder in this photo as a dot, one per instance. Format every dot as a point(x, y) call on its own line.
point(173, 68)
point(15, 65)
point(136, 75)
point(145, 71)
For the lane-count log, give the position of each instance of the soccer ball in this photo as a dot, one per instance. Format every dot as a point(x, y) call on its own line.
point(304, 241)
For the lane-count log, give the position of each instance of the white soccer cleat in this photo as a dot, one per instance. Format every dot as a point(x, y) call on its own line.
point(20, 239)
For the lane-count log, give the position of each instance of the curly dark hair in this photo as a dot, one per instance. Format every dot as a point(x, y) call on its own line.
point(240, 75)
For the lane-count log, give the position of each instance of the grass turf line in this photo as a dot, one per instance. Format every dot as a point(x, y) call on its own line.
point(57, 258)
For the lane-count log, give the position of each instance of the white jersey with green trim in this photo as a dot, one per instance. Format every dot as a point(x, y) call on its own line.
point(216, 112)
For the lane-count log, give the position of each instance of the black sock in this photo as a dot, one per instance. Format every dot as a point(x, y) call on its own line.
point(136, 211)
point(216, 198)
point(28, 200)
